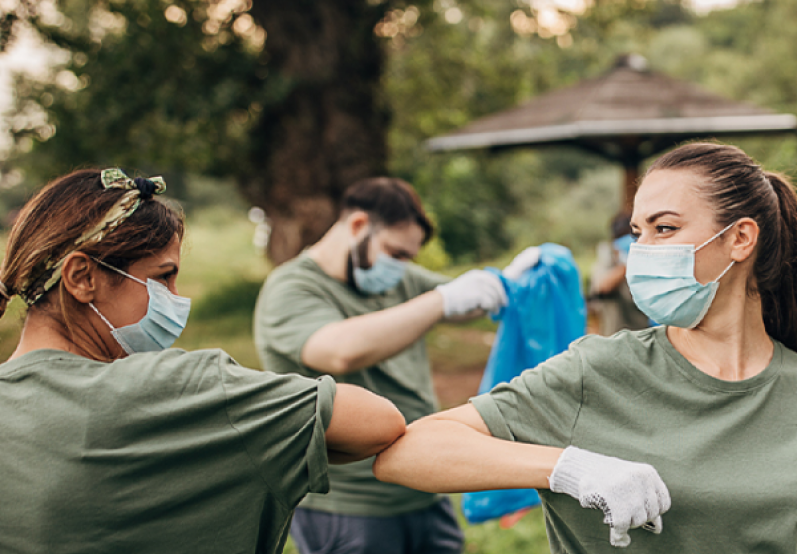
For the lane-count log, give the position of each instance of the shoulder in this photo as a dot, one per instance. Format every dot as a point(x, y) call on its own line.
point(172, 365)
point(300, 280)
point(202, 370)
point(624, 348)
point(301, 267)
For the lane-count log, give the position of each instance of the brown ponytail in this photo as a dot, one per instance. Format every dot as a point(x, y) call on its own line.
point(738, 187)
point(779, 298)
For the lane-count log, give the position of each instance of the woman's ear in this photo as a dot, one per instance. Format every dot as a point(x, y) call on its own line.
point(79, 276)
point(744, 239)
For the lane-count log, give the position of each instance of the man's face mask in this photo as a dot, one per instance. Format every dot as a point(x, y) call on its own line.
point(163, 323)
point(662, 282)
point(384, 274)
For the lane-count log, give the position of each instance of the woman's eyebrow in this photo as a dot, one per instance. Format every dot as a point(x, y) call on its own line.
point(651, 218)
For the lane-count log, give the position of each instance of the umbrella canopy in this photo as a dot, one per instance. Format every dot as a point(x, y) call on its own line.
point(626, 115)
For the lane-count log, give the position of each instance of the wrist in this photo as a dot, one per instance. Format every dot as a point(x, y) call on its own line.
point(566, 475)
point(436, 303)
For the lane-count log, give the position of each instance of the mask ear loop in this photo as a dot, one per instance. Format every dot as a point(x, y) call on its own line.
point(715, 236)
point(727, 269)
point(119, 271)
point(102, 317)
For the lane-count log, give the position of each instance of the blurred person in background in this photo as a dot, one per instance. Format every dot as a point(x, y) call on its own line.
point(610, 296)
point(354, 306)
point(112, 441)
point(707, 398)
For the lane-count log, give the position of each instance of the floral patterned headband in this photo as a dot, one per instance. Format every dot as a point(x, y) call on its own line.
point(48, 273)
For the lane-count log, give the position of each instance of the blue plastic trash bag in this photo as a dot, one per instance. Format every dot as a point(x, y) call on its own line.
point(546, 312)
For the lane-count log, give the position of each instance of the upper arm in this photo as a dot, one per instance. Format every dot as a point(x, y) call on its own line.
point(289, 312)
point(362, 423)
point(540, 406)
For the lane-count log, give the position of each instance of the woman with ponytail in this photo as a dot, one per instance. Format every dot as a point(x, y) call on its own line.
point(694, 419)
point(110, 441)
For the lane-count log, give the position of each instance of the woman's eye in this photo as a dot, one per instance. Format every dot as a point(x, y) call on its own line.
point(665, 228)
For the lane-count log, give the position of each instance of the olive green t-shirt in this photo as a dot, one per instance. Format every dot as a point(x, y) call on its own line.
point(297, 300)
point(163, 453)
point(726, 450)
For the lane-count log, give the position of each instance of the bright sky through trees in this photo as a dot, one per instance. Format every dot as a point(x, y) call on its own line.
point(27, 56)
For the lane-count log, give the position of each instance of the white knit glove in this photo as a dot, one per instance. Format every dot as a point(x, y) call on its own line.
point(523, 261)
point(631, 494)
point(472, 290)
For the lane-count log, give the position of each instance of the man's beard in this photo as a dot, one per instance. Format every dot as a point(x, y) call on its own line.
point(362, 255)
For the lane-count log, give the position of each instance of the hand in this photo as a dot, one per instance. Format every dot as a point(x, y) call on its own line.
point(473, 290)
point(631, 494)
point(523, 261)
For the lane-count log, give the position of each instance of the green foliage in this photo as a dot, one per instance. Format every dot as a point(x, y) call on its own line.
point(235, 298)
point(185, 98)
point(140, 91)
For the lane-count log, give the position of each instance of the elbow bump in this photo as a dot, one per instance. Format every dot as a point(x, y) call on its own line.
point(397, 426)
point(391, 430)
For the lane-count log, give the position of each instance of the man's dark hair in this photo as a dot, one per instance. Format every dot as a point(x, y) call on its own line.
point(389, 201)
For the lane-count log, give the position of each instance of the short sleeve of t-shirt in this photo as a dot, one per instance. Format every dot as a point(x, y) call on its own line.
point(282, 420)
point(540, 406)
point(295, 308)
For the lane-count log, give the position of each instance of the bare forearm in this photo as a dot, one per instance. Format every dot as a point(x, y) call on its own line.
point(448, 456)
point(359, 342)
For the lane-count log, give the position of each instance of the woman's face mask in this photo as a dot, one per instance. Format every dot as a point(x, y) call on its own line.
point(166, 316)
point(663, 284)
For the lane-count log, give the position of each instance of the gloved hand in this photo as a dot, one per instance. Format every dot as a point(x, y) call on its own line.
point(472, 290)
point(523, 261)
point(631, 494)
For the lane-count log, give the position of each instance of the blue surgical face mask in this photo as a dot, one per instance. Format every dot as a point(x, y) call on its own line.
point(662, 282)
point(384, 274)
point(622, 245)
point(164, 321)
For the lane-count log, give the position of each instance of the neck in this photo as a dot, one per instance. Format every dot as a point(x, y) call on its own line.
point(41, 331)
point(731, 343)
point(331, 253)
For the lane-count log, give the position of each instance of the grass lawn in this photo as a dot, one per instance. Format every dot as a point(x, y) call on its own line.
point(222, 272)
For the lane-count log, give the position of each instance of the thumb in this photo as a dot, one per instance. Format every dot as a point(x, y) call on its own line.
point(619, 537)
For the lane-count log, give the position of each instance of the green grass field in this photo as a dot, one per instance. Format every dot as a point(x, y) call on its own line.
point(222, 272)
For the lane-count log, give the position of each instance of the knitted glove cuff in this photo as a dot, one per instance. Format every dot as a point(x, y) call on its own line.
point(572, 465)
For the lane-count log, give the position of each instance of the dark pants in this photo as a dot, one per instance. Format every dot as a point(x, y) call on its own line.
point(433, 530)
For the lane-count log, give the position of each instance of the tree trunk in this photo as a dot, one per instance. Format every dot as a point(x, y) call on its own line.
point(327, 128)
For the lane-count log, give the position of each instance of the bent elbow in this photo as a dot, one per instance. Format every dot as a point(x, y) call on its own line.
point(390, 428)
point(395, 428)
point(341, 364)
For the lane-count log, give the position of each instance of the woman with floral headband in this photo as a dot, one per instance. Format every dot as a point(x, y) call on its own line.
point(111, 442)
